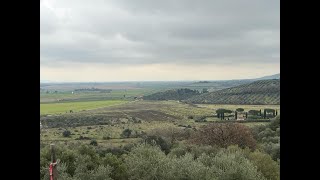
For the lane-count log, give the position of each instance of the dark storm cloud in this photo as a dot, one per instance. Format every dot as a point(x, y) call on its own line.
point(146, 31)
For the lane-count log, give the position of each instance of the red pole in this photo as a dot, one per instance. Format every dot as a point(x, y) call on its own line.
point(51, 171)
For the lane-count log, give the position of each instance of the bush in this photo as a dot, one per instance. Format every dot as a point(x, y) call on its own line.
point(178, 152)
point(69, 158)
point(94, 142)
point(224, 135)
point(275, 123)
point(106, 137)
point(101, 173)
point(156, 140)
point(146, 162)
point(200, 119)
point(171, 134)
point(268, 167)
point(273, 149)
point(231, 164)
point(82, 138)
point(66, 133)
point(186, 167)
point(266, 133)
point(126, 133)
point(119, 170)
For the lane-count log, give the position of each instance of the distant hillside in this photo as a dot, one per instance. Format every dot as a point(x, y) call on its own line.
point(275, 76)
point(258, 92)
point(175, 94)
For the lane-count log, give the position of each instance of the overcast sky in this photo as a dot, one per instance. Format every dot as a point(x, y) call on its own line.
point(126, 40)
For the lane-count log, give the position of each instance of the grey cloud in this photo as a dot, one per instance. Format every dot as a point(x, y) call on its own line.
point(145, 31)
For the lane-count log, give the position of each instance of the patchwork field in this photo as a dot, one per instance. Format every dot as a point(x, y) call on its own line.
point(106, 124)
point(65, 107)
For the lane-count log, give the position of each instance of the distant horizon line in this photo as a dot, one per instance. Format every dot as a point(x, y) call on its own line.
point(51, 81)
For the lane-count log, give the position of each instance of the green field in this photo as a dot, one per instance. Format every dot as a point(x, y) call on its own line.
point(56, 108)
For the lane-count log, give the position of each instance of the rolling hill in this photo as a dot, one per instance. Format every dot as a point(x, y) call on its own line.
point(174, 94)
point(257, 92)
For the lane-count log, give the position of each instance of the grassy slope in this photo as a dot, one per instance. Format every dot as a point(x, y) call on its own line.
point(258, 92)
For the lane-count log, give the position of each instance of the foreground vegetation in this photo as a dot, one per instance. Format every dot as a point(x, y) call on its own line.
point(181, 154)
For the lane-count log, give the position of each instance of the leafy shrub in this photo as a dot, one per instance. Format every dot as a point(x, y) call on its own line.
point(126, 133)
point(171, 134)
point(273, 149)
point(275, 123)
point(231, 165)
point(156, 140)
point(106, 137)
point(146, 162)
point(224, 135)
point(101, 173)
point(200, 119)
point(269, 168)
point(66, 133)
point(94, 142)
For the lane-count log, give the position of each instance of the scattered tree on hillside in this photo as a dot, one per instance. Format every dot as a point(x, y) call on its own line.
point(254, 112)
point(220, 112)
point(240, 109)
